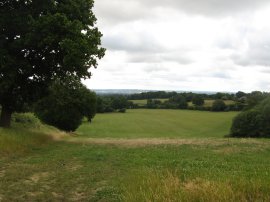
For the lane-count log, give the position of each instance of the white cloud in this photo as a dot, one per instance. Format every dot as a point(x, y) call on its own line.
point(211, 45)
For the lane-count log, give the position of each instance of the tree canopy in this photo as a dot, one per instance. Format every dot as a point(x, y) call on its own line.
point(41, 41)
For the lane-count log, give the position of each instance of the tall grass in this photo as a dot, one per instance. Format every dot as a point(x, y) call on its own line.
point(157, 186)
point(26, 133)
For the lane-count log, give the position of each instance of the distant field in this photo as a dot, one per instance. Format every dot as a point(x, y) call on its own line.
point(148, 123)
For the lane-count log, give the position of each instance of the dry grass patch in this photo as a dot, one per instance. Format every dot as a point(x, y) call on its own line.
point(142, 142)
point(156, 186)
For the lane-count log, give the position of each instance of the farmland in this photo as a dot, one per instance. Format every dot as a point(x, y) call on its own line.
point(168, 155)
point(142, 123)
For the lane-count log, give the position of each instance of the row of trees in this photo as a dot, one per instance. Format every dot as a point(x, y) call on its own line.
point(250, 98)
point(188, 95)
point(181, 103)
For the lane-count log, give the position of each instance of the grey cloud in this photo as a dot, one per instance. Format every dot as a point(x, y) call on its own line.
point(153, 68)
point(221, 75)
point(137, 43)
point(153, 57)
point(210, 7)
point(119, 11)
point(257, 53)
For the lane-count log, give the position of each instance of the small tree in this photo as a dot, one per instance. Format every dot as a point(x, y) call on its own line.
point(180, 101)
point(218, 106)
point(65, 106)
point(198, 100)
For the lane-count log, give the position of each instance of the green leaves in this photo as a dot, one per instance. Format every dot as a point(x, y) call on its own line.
point(41, 41)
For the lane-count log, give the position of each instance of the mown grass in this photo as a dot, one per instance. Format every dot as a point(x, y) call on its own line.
point(143, 123)
point(208, 170)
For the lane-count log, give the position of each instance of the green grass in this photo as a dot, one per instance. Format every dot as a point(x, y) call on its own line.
point(201, 168)
point(143, 123)
point(25, 135)
point(80, 172)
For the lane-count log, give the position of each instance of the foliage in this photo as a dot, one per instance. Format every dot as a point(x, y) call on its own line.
point(254, 98)
point(240, 94)
point(198, 100)
point(26, 119)
point(106, 104)
point(65, 106)
point(42, 41)
point(180, 101)
point(246, 124)
point(218, 106)
point(254, 122)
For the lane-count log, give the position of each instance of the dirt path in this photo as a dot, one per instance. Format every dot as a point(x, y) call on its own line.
point(162, 141)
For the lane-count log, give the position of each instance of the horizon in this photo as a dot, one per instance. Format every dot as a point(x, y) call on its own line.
point(178, 91)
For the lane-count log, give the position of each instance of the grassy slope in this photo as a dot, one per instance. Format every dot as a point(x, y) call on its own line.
point(237, 170)
point(159, 123)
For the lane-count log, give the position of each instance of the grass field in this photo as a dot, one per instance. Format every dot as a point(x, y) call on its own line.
point(143, 123)
point(44, 164)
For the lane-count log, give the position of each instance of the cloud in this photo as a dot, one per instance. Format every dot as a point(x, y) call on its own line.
point(119, 11)
point(212, 45)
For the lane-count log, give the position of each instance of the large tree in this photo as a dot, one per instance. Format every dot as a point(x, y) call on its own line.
point(41, 41)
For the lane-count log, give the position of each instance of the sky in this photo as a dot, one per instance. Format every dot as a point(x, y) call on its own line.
point(190, 45)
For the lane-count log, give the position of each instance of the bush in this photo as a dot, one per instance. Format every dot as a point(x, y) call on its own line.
point(218, 106)
point(246, 124)
point(26, 119)
point(254, 122)
point(66, 105)
point(198, 100)
point(180, 101)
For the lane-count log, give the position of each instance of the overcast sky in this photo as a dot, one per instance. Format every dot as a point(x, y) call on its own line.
point(200, 45)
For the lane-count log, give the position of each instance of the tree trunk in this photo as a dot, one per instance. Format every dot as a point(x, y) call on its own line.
point(5, 118)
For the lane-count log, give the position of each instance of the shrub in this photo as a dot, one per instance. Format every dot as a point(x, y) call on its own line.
point(254, 122)
point(26, 119)
point(247, 124)
point(180, 101)
point(197, 100)
point(218, 106)
point(66, 105)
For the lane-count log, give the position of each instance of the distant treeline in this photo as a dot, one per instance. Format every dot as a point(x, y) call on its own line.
point(174, 100)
